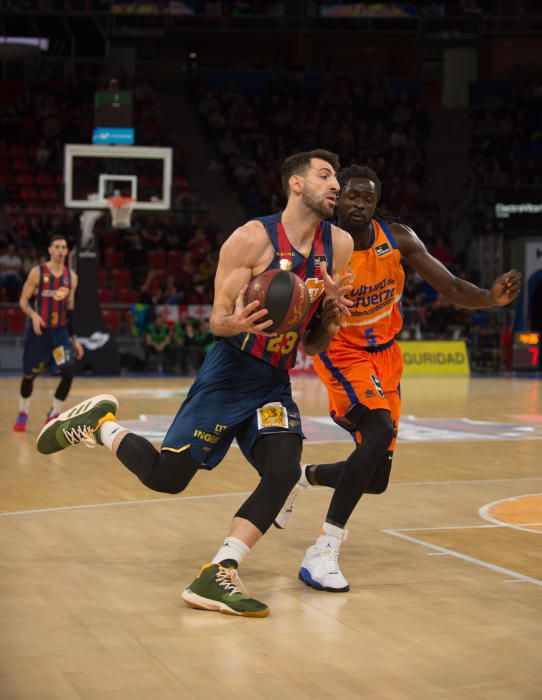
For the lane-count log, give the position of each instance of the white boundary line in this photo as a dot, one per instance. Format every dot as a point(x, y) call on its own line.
point(465, 557)
point(484, 513)
point(142, 501)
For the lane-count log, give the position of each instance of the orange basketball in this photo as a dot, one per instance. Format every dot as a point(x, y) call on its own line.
point(285, 297)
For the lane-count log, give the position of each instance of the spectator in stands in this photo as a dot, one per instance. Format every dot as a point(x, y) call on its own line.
point(199, 245)
point(207, 267)
point(197, 292)
point(31, 259)
point(152, 236)
point(179, 349)
point(43, 153)
point(11, 267)
point(441, 251)
point(170, 293)
point(157, 341)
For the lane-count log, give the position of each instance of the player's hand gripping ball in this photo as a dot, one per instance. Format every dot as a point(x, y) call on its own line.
point(285, 297)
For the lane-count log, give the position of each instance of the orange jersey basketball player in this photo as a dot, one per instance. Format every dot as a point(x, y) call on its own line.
point(362, 365)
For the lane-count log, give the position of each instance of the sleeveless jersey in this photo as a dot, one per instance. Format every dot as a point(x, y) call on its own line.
point(52, 296)
point(378, 281)
point(281, 351)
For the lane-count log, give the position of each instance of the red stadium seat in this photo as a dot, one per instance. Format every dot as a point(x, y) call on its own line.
point(25, 178)
point(127, 296)
point(44, 179)
point(174, 260)
point(111, 319)
point(156, 259)
point(50, 193)
point(29, 194)
point(2, 321)
point(20, 164)
point(113, 258)
point(16, 321)
point(105, 296)
point(120, 279)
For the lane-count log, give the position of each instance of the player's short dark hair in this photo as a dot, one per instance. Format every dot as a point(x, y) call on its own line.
point(57, 237)
point(360, 172)
point(298, 163)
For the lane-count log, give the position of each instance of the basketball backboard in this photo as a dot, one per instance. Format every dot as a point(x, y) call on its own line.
point(94, 173)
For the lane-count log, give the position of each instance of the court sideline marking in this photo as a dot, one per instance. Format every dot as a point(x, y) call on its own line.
point(144, 501)
point(458, 555)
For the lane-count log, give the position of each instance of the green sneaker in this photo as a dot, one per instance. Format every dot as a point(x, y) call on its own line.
point(220, 588)
point(78, 424)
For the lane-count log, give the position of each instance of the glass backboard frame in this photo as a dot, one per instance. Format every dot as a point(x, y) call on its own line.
point(72, 150)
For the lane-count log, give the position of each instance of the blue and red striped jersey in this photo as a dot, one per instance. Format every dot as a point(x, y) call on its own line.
point(52, 296)
point(281, 351)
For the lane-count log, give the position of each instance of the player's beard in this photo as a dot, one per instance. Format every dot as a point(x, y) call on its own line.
point(318, 206)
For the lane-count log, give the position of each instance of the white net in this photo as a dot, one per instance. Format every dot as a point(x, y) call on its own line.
point(121, 211)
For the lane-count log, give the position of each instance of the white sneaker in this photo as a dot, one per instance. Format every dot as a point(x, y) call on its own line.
point(286, 512)
point(320, 567)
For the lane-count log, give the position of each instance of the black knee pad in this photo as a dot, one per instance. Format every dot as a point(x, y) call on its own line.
point(377, 422)
point(66, 377)
point(381, 475)
point(27, 385)
point(277, 457)
point(166, 472)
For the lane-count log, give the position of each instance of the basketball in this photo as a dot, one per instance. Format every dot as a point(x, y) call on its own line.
point(285, 297)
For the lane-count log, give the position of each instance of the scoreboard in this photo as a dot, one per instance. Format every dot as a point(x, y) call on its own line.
point(113, 117)
point(526, 350)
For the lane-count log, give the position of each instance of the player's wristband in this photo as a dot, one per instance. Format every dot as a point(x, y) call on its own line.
point(70, 319)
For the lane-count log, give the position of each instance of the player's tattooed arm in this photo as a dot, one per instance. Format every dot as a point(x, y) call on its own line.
point(325, 324)
point(241, 257)
point(30, 288)
point(461, 292)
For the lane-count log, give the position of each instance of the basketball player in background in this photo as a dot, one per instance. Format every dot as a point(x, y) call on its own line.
point(47, 298)
point(363, 364)
point(243, 388)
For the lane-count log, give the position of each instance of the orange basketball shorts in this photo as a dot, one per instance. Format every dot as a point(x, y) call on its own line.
point(354, 376)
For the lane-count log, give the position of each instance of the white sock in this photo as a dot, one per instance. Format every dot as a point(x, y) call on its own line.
point(23, 404)
point(329, 530)
point(303, 478)
point(232, 548)
point(56, 406)
point(108, 431)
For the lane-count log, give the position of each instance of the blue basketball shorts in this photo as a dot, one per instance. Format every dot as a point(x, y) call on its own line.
point(51, 350)
point(236, 396)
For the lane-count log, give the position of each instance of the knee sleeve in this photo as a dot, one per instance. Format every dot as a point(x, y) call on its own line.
point(166, 472)
point(277, 457)
point(377, 431)
point(27, 385)
point(64, 386)
point(381, 475)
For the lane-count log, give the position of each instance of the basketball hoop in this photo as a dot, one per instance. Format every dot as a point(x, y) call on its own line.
point(121, 211)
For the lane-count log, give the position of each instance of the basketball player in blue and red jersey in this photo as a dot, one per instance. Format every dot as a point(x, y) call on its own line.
point(47, 298)
point(243, 388)
point(363, 364)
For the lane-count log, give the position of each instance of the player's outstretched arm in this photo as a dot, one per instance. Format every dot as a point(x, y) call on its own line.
point(460, 292)
point(239, 261)
point(29, 289)
point(325, 324)
point(336, 284)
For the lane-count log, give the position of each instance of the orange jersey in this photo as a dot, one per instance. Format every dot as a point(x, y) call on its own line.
point(378, 280)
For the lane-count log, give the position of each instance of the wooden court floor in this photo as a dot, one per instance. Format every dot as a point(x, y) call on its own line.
point(445, 568)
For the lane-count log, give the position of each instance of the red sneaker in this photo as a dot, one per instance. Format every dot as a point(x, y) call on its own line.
point(20, 422)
